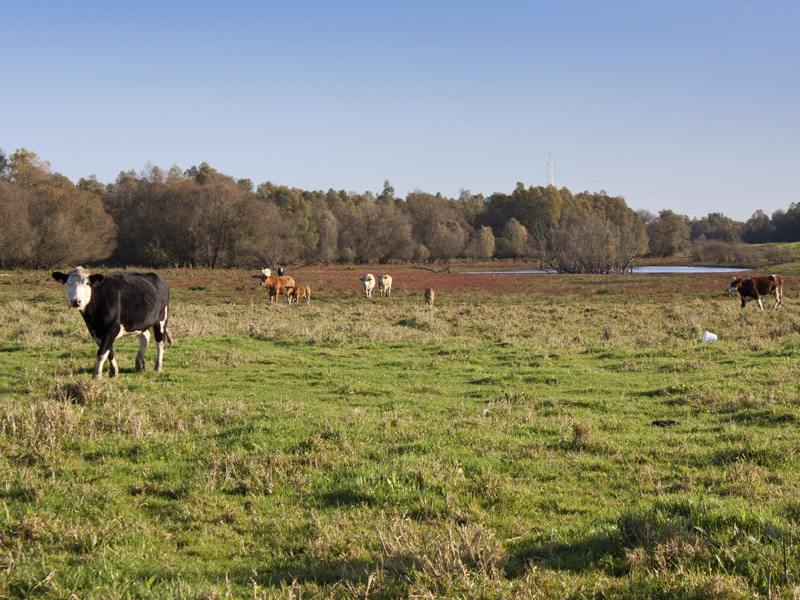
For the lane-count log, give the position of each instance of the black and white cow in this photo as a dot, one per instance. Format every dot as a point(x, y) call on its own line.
point(120, 304)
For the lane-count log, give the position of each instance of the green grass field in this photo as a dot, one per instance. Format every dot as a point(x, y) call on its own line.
point(498, 446)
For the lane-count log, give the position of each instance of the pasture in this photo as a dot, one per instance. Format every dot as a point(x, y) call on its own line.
point(497, 445)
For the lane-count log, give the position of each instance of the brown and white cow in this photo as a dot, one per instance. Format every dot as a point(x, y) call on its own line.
point(385, 285)
point(429, 296)
point(369, 282)
point(276, 286)
point(297, 292)
point(753, 288)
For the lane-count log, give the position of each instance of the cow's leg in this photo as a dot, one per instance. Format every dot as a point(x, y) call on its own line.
point(105, 350)
point(101, 359)
point(160, 355)
point(161, 335)
point(760, 304)
point(144, 339)
point(778, 298)
point(113, 369)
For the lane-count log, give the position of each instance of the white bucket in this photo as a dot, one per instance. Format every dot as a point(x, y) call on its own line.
point(709, 338)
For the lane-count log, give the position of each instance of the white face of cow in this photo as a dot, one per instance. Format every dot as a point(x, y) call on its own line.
point(79, 291)
point(732, 284)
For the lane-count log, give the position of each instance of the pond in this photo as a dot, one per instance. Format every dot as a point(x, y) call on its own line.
point(640, 270)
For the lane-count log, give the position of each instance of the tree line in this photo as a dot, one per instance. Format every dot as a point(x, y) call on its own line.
point(200, 217)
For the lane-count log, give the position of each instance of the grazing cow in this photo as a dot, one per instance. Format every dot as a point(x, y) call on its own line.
point(429, 295)
point(369, 282)
point(752, 288)
point(281, 272)
point(276, 286)
point(385, 285)
point(266, 272)
point(120, 304)
point(298, 292)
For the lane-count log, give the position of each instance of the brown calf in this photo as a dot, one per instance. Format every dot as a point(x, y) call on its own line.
point(429, 296)
point(298, 292)
point(752, 288)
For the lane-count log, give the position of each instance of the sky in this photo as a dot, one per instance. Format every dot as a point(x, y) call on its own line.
point(687, 105)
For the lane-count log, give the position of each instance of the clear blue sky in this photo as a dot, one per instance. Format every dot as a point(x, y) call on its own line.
point(690, 105)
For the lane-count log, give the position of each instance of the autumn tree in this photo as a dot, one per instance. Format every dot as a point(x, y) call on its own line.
point(141, 205)
point(481, 245)
point(437, 224)
point(668, 234)
point(513, 241)
point(597, 234)
point(472, 205)
point(219, 223)
point(448, 240)
point(716, 226)
point(327, 227)
point(758, 229)
point(295, 206)
point(273, 236)
point(787, 224)
point(66, 225)
point(387, 195)
point(16, 234)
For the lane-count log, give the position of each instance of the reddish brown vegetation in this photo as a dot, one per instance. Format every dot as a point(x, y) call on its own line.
point(338, 282)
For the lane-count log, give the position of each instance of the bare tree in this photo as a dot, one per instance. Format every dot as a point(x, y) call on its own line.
point(16, 234)
point(65, 224)
point(448, 240)
point(273, 238)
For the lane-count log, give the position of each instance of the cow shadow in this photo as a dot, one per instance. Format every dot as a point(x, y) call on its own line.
point(603, 552)
point(305, 567)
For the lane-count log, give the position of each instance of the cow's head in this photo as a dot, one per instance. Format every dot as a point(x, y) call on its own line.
point(734, 284)
point(79, 286)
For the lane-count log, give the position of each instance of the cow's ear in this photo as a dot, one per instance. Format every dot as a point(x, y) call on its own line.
point(60, 277)
point(95, 279)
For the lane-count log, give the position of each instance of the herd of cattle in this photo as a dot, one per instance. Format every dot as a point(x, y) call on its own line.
point(385, 287)
point(284, 284)
point(128, 303)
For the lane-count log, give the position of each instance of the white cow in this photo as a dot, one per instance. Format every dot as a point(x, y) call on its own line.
point(266, 272)
point(385, 285)
point(369, 282)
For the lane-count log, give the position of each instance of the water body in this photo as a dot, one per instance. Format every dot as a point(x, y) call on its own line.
point(685, 269)
point(639, 270)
